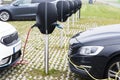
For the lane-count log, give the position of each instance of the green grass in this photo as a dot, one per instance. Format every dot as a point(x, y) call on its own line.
point(99, 14)
point(100, 11)
point(119, 1)
point(52, 72)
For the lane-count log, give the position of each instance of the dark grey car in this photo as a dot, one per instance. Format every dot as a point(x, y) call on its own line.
point(96, 53)
point(19, 9)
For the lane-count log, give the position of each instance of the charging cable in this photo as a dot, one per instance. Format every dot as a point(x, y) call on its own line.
point(59, 26)
point(84, 68)
point(22, 61)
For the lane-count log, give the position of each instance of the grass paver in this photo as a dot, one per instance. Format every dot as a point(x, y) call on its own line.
point(91, 16)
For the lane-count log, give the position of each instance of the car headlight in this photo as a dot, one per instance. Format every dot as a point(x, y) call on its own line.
point(91, 50)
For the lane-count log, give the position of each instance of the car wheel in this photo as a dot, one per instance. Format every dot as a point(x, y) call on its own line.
point(113, 71)
point(4, 16)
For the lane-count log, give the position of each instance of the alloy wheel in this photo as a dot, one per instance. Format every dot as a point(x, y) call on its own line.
point(4, 16)
point(114, 71)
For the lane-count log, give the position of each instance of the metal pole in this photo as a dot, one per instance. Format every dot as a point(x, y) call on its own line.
point(76, 17)
point(73, 20)
point(79, 14)
point(61, 33)
point(68, 25)
point(61, 38)
point(46, 56)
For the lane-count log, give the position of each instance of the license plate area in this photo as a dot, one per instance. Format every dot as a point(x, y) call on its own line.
point(16, 48)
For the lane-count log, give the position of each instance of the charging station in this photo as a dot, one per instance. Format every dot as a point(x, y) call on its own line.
point(46, 22)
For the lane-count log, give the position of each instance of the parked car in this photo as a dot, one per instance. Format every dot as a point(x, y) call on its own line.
point(10, 45)
point(19, 9)
point(98, 51)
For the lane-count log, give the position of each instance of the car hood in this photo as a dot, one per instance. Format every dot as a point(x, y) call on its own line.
point(104, 35)
point(5, 5)
point(6, 28)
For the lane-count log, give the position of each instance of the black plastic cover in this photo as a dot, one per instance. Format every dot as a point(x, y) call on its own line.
point(63, 9)
point(71, 7)
point(46, 17)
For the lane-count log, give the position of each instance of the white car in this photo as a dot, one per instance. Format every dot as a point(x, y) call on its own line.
point(10, 45)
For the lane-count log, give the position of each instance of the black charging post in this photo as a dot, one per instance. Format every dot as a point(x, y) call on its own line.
point(71, 5)
point(79, 6)
point(46, 22)
point(74, 11)
point(63, 14)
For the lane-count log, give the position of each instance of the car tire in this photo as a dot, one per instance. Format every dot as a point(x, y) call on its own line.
point(113, 69)
point(5, 16)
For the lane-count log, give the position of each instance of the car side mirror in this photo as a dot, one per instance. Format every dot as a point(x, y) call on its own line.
point(63, 10)
point(46, 17)
point(16, 3)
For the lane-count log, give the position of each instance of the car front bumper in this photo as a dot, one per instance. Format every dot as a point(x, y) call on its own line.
point(95, 65)
point(9, 54)
point(79, 71)
point(13, 59)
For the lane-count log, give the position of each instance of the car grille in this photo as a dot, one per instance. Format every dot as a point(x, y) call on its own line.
point(73, 49)
point(10, 39)
point(16, 56)
point(10, 59)
point(76, 60)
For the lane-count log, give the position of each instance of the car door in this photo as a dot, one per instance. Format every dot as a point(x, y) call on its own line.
point(23, 9)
